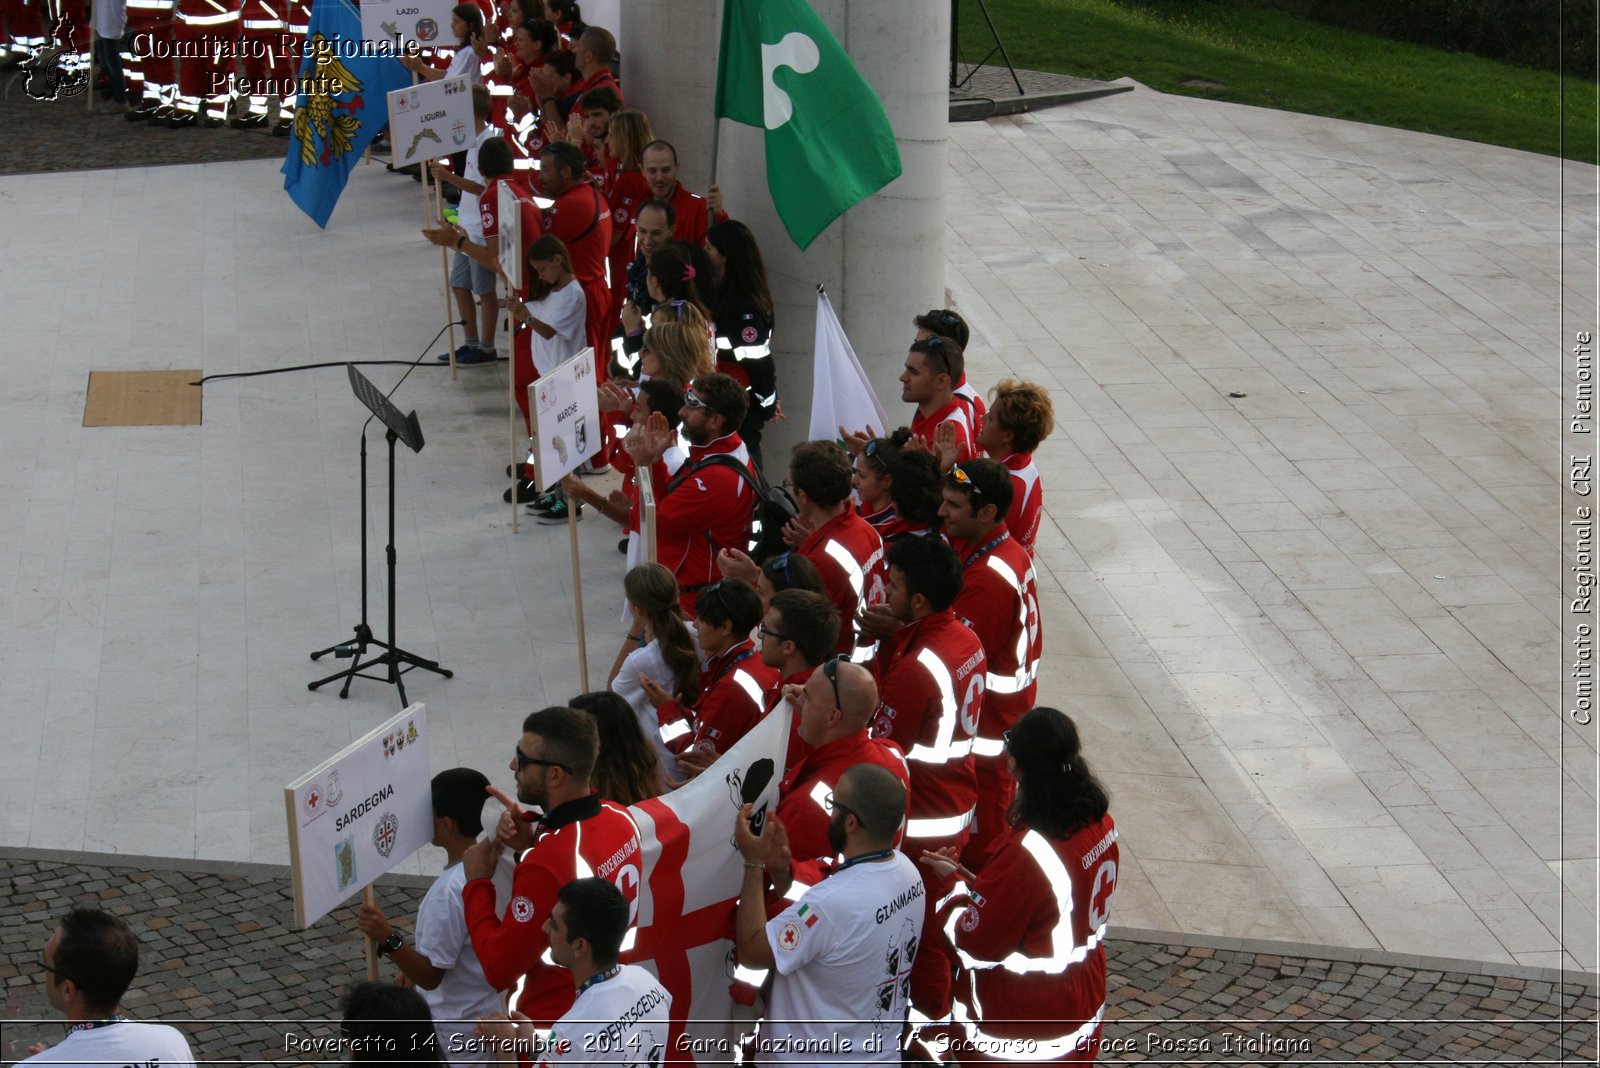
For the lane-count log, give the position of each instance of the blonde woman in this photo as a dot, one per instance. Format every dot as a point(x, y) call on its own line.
point(659, 647)
point(676, 353)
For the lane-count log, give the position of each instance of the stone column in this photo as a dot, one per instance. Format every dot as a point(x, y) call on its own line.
point(882, 261)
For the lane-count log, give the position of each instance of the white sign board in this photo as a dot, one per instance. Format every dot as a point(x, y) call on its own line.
point(401, 22)
point(510, 234)
point(566, 418)
point(430, 120)
point(359, 814)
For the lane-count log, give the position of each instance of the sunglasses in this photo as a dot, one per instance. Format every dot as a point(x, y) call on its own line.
point(964, 480)
point(691, 400)
point(832, 804)
point(526, 761)
point(934, 349)
point(56, 971)
point(781, 563)
point(830, 671)
point(714, 589)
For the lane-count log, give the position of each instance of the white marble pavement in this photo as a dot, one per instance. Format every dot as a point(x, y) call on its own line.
point(1310, 632)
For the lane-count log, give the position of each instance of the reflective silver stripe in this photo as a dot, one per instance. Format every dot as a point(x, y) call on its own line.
point(1033, 1049)
point(796, 890)
point(208, 20)
point(987, 747)
point(852, 568)
point(264, 24)
point(944, 747)
point(674, 730)
point(819, 793)
point(749, 975)
point(751, 352)
point(943, 827)
point(995, 682)
point(1063, 953)
point(751, 688)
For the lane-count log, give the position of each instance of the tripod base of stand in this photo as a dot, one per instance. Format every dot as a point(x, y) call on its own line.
point(396, 660)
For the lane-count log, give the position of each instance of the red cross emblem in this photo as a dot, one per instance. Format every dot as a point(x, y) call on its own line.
point(788, 936)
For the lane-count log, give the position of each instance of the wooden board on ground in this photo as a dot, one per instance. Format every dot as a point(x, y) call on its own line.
point(142, 398)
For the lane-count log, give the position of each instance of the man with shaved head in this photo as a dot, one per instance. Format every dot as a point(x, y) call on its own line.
point(835, 705)
point(843, 952)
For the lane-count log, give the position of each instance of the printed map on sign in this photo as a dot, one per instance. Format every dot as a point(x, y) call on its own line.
point(430, 120)
point(359, 814)
point(402, 22)
point(566, 418)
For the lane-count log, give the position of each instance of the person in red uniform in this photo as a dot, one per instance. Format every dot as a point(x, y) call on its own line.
point(844, 547)
point(930, 682)
point(942, 322)
point(579, 835)
point(797, 634)
point(660, 166)
point(704, 502)
point(1020, 416)
point(581, 218)
point(1000, 602)
point(734, 683)
point(835, 704)
point(1029, 934)
point(933, 367)
point(596, 50)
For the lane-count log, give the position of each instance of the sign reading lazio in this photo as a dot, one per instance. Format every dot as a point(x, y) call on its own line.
point(430, 120)
point(566, 418)
point(401, 22)
point(359, 814)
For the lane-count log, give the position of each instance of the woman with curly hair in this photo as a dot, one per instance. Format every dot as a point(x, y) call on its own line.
point(1029, 933)
point(626, 770)
point(659, 647)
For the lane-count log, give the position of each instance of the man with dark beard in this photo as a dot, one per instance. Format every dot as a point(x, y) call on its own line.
point(576, 834)
point(844, 951)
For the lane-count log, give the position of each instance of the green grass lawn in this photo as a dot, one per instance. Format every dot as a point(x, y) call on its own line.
point(1273, 60)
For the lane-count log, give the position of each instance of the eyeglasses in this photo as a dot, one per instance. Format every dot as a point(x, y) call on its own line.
point(833, 804)
point(690, 399)
point(524, 761)
point(763, 632)
point(55, 971)
point(964, 480)
point(830, 671)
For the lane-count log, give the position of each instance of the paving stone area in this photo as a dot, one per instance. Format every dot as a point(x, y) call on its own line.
point(61, 135)
point(218, 952)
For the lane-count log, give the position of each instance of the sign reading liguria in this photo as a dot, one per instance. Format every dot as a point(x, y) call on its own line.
point(430, 120)
point(359, 814)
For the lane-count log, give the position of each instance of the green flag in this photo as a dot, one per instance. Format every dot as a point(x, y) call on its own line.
point(829, 144)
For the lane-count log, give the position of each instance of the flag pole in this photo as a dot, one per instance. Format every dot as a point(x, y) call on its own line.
point(511, 397)
point(444, 269)
point(716, 140)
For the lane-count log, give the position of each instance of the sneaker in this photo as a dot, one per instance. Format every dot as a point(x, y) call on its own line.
point(557, 513)
point(526, 492)
point(467, 354)
point(545, 502)
point(475, 357)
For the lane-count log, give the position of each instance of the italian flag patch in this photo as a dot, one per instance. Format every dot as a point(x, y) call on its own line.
point(807, 915)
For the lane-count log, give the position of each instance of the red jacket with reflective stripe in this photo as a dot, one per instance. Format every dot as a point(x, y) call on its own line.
point(801, 794)
point(1027, 499)
point(707, 511)
point(589, 837)
point(930, 695)
point(733, 697)
point(1030, 937)
point(999, 601)
point(847, 552)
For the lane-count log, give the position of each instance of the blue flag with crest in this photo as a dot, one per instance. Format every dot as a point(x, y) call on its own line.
point(342, 105)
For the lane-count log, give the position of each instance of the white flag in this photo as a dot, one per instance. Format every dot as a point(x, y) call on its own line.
point(692, 875)
point(841, 396)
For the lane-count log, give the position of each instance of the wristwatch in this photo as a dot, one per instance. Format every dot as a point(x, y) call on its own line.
point(390, 944)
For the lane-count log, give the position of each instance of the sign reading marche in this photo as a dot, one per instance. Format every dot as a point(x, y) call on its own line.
point(430, 120)
point(566, 418)
point(400, 22)
point(359, 814)
point(829, 144)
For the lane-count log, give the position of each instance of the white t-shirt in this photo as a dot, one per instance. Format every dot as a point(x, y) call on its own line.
point(648, 659)
point(469, 213)
point(463, 994)
point(623, 1020)
point(156, 1045)
point(844, 954)
point(465, 61)
point(564, 310)
point(110, 18)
